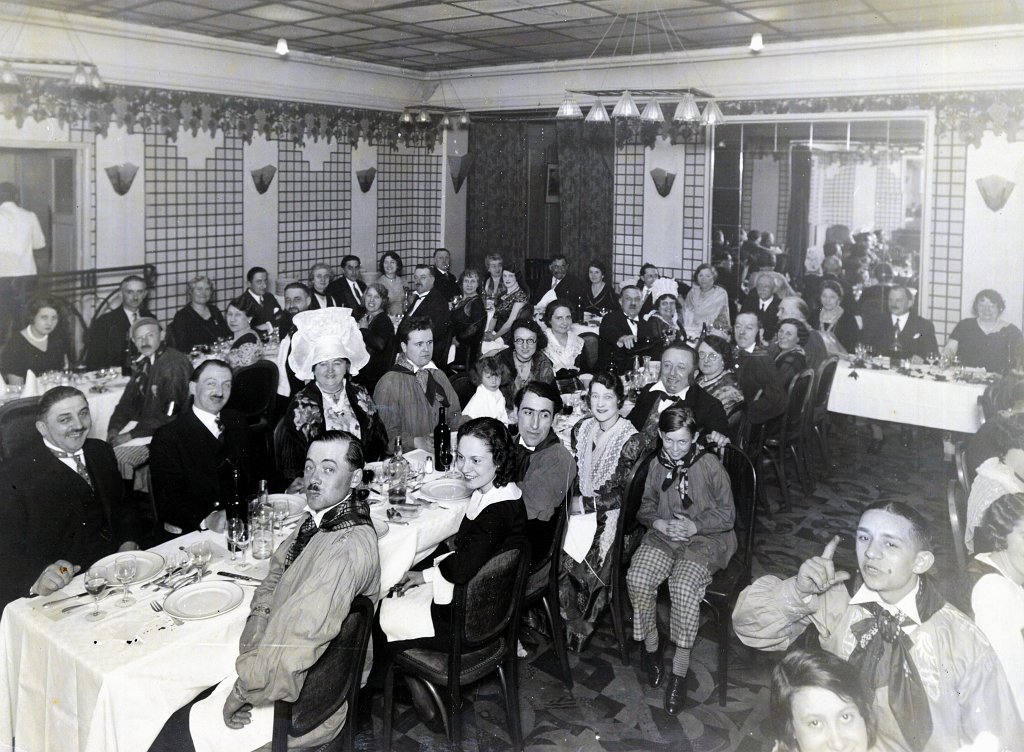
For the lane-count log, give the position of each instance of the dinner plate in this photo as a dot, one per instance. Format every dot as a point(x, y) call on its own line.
point(380, 527)
point(445, 489)
point(204, 600)
point(296, 503)
point(148, 566)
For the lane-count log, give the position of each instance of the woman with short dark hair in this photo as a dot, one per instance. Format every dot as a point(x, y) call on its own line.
point(41, 346)
point(467, 320)
point(525, 359)
point(790, 337)
point(987, 340)
point(199, 323)
point(390, 268)
point(600, 298)
point(832, 319)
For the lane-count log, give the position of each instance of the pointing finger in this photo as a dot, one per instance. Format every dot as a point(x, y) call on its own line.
point(830, 548)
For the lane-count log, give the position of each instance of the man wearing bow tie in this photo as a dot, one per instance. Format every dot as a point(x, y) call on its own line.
point(63, 501)
point(935, 680)
point(194, 459)
point(270, 308)
point(428, 300)
point(677, 387)
point(916, 335)
point(621, 331)
point(348, 289)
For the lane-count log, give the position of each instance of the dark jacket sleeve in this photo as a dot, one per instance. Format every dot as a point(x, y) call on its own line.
point(712, 417)
point(478, 540)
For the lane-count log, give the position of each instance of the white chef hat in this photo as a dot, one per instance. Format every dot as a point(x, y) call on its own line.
point(326, 334)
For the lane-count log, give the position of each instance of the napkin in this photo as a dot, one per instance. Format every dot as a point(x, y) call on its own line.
point(31, 388)
point(408, 617)
point(579, 535)
point(209, 734)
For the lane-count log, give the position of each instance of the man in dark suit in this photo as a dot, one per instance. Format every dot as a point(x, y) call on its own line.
point(297, 298)
point(270, 308)
point(763, 301)
point(757, 376)
point(560, 286)
point(676, 385)
point(427, 300)
point(444, 281)
point(195, 459)
point(64, 502)
point(319, 280)
point(347, 290)
point(623, 334)
point(916, 335)
point(108, 344)
point(874, 301)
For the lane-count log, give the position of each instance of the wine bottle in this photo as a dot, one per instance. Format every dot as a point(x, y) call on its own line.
point(896, 353)
point(396, 470)
point(442, 442)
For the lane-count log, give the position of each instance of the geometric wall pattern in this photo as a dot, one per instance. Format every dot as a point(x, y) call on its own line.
point(409, 183)
point(628, 233)
point(947, 248)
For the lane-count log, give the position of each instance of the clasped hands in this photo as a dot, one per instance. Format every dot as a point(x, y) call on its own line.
point(818, 573)
point(678, 529)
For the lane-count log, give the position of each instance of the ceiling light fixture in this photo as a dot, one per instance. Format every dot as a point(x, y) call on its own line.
point(598, 114)
point(569, 109)
point(652, 113)
point(756, 42)
point(282, 47)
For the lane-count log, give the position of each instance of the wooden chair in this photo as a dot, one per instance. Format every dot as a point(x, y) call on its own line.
point(956, 505)
point(485, 630)
point(254, 394)
point(331, 682)
point(823, 379)
point(964, 474)
point(627, 524)
point(17, 425)
point(463, 387)
point(542, 588)
point(790, 432)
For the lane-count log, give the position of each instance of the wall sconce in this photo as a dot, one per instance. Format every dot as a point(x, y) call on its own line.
point(121, 177)
point(995, 190)
point(663, 181)
point(458, 166)
point(263, 177)
point(365, 178)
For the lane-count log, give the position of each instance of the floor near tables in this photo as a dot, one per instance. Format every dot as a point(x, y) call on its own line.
point(612, 708)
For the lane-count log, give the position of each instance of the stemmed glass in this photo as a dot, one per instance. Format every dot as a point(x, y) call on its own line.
point(201, 555)
point(95, 584)
point(280, 516)
point(125, 568)
point(238, 539)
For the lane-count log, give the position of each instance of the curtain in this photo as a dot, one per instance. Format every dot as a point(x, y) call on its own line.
point(497, 200)
point(586, 168)
point(797, 235)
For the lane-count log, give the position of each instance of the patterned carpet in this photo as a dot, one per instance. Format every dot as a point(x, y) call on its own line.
point(612, 708)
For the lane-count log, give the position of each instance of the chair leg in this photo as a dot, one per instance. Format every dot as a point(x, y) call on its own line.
point(801, 467)
point(558, 637)
point(723, 655)
point(389, 699)
point(510, 686)
point(779, 465)
point(619, 615)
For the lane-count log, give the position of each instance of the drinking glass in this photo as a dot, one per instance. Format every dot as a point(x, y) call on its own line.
point(125, 568)
point(416, 473)
point(201, 555)
point(95, 584)
point(238, 539)
point(280, 515)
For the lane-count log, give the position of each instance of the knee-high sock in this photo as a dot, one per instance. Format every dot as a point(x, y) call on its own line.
point(681, 661)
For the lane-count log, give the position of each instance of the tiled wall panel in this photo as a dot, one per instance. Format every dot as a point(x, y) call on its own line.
point(628, 242)
point(947, 249)
point(409, 204)
point(695, 249)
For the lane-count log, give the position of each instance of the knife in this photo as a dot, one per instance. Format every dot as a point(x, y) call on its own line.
point(239, 576)
point(64, 600)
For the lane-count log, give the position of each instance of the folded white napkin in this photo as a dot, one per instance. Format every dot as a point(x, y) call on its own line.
point(210, 734)
point(31, 388)
point(579, 535)
point(408, 617)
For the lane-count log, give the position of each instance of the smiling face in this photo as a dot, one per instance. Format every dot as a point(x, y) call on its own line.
point(604, 404)
point(509, 279)
point(561, 320)
point(676, 443)
point(420, 347)
point(631, 299)
point(295, 300)
point(147, 338)
point(320, 279)
point(202, 291)
point(330, 374)
point(711, 363)
point(988, 311)
point(371, 300)
point(559, 268)
point(649, 276)
point(237, 320)
point(787, 337)
point(746, 330)
point(45, 321)
point(389, 265)
point(706, 279)
point(494, 268)
point(525, 342)
point(535, 417)
point(327, 476)
point(676, 367)
point(667, 309)
point(829, 299)
point(259, 283)
point(423, 280)
point(595, 275)
point(212, 390)
point(476, 462)
point(825, 722)
point(889, 558)
point(765, 288)
point(67, 424)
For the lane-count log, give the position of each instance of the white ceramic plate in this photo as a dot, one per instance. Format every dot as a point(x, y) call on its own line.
point(445, 489)
point(380, 527)
point(204, 600)
point(148, 566)
point(295, 502)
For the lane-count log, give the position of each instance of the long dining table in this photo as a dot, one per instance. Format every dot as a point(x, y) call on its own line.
point(109, 686)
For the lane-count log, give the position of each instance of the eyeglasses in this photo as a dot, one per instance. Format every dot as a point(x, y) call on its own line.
point(521, 341)
point(709, 356)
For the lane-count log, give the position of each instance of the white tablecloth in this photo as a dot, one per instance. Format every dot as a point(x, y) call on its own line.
point(886, 395)
point(101, 407)
point(59, 689)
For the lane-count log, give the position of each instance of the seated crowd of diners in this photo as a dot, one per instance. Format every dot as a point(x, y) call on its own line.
point(367, 368)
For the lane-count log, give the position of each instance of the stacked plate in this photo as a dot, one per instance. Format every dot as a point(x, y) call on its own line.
point(148, 566)
point(204, 600)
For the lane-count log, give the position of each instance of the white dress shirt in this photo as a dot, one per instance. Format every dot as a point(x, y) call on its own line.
point(209, 420)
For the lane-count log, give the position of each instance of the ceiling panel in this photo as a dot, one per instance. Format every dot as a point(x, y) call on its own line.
point(517, 31)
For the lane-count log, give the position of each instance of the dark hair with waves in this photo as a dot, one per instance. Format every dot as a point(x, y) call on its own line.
point(608, 380)
point(53, 396)
point(998, 522)
point(497, 438)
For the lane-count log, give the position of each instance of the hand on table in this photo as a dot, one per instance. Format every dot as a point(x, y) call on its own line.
point(237, 712)
point(818, 573)
point(54, 577)
point(217, 521)
point(409, 580)
point(117, 439)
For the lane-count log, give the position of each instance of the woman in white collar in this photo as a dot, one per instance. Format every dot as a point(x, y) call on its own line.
point(417, 612)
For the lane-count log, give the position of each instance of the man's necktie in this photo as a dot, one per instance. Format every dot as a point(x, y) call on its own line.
point(141, 377)
point(80, 467)
point(423, 378)
point(357, 293)
point(220, 426)
point(306, 533)
point(896, 329)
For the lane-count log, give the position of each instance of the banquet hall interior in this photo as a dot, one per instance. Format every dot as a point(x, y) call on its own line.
point(220, 135)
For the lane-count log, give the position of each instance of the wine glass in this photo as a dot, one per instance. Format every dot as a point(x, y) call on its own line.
point(201, 555)
point(95, 584)
point(280, 516)
point(238, 539)
point(125, 568)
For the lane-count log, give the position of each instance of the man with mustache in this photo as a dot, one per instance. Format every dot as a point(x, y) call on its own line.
point(197, 459)
point(63, 501)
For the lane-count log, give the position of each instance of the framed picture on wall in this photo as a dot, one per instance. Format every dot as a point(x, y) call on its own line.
point(552, 187)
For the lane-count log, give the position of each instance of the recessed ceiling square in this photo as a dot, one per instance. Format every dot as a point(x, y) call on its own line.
point(281, 13)
point(417, 14)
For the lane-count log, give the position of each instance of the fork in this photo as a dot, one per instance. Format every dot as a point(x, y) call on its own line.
point(159, 608)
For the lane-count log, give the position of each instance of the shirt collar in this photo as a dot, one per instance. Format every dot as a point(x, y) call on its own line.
point(257, 298)
point(208, 419)
point(480, 501)
point(54, 448)
point(416, 369)
point(660, 387)
point(902, 320)
point(319, 516)
point(907, 605)
point(525, 446)
point(749, 349)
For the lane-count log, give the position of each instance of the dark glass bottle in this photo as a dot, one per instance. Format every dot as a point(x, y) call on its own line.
point(896, 352)
point(442, 442)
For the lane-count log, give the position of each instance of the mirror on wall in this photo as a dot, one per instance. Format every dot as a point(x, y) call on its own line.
point(817, 187)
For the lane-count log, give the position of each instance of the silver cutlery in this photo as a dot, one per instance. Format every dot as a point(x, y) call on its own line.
point(222, 573)
point(159, 608)
point(64, 600)
point(89, 603)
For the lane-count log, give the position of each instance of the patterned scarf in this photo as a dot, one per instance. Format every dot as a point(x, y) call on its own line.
point(597, 454)
point(351, 512)
point(678, 473)
point(883, 657)
point(434, 393)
